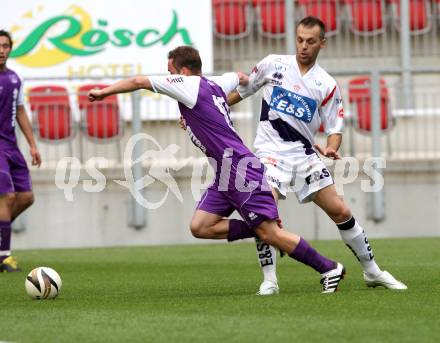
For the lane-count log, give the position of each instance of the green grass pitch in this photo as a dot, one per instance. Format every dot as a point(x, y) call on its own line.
point(205, 293)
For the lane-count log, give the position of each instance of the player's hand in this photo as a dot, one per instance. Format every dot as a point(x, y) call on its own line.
point(182, 123)
point(36, 157)
point(243, 78)
point(95, 94)
point(328, 152)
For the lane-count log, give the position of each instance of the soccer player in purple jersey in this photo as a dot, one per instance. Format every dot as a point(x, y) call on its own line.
point(239, 182)
point(15, 183)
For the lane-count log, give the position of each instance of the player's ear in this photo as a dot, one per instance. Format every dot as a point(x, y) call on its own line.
point(185, 71)
point(323, 43)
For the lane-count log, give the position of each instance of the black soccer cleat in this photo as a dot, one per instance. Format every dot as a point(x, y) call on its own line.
point(330, 280)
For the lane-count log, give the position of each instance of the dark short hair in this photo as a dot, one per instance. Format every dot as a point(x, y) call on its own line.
point(186, 56)
point(311, 21)
point(6, 34)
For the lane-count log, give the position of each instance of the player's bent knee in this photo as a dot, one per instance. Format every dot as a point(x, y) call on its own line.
point(194, 227)
point(197, 229)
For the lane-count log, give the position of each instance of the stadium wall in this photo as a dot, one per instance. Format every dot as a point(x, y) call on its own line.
point(102, 219)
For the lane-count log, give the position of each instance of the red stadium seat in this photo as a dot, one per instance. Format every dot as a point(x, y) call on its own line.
point(326, 10)
point(360, 96)
point(367, 16)
point(102, 119)
point(51, 112)
point(419, 15)
point(271, 17)
point(232, 18)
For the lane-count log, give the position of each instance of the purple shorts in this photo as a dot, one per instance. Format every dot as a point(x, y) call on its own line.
point(14, 173)
point(254, 207)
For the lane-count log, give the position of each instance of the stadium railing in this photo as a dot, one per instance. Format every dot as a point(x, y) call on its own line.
point(408, 133)
point(420, 15)
point(51, 115)
point(232, 18)
point(357, 30)
point(329, 11)
point(359, 98)
point(101, 121)
point(367, 17)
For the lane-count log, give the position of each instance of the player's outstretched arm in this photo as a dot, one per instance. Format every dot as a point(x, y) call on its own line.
point(123, 86)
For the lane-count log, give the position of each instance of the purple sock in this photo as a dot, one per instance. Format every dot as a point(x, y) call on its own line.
point(238, 229)
point(5, 237)
point(306, 254)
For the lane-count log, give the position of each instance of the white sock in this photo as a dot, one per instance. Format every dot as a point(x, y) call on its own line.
point(267, 258)
point(354, 237)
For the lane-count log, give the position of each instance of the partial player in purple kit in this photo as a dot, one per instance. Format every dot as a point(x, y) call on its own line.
point(239, 182)
point(15, 183)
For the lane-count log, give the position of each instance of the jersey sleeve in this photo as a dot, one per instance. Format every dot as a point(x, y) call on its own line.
point(257, 78)
point(332, 111)
point(20, 98)
point(184, 89)
point(228, 81)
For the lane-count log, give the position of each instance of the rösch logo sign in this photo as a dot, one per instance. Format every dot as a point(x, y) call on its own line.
point(94, 40)
point(85, 34)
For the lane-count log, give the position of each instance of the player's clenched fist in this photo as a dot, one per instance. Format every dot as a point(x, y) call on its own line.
point(95, 94)
point(243, 78)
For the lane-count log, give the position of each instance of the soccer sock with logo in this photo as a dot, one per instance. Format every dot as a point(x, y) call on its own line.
point(267, 258)
point(355, 239)
point(239, 229)
point(304, 253)
point(5, 239)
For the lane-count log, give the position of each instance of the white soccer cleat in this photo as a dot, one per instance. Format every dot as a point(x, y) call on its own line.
point(386, 280)
point(331, 279)
point(268, 288)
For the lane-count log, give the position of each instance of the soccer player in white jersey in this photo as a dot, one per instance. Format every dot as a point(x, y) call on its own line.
point(298, 95)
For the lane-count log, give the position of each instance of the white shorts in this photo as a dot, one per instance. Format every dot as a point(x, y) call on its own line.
point(300, 173)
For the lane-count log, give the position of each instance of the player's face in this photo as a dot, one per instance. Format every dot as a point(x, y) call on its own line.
point(308, 44)
point(5, 49)
point(171, 68)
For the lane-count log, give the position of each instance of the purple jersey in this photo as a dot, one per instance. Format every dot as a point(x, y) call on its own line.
point(239, 182)
point(10, 97)
point(208, 123)
point(209, 126)
point(202, 103)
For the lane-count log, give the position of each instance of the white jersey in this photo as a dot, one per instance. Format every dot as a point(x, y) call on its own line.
point(185, 89)
point(20, 99)
point(293, 106)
